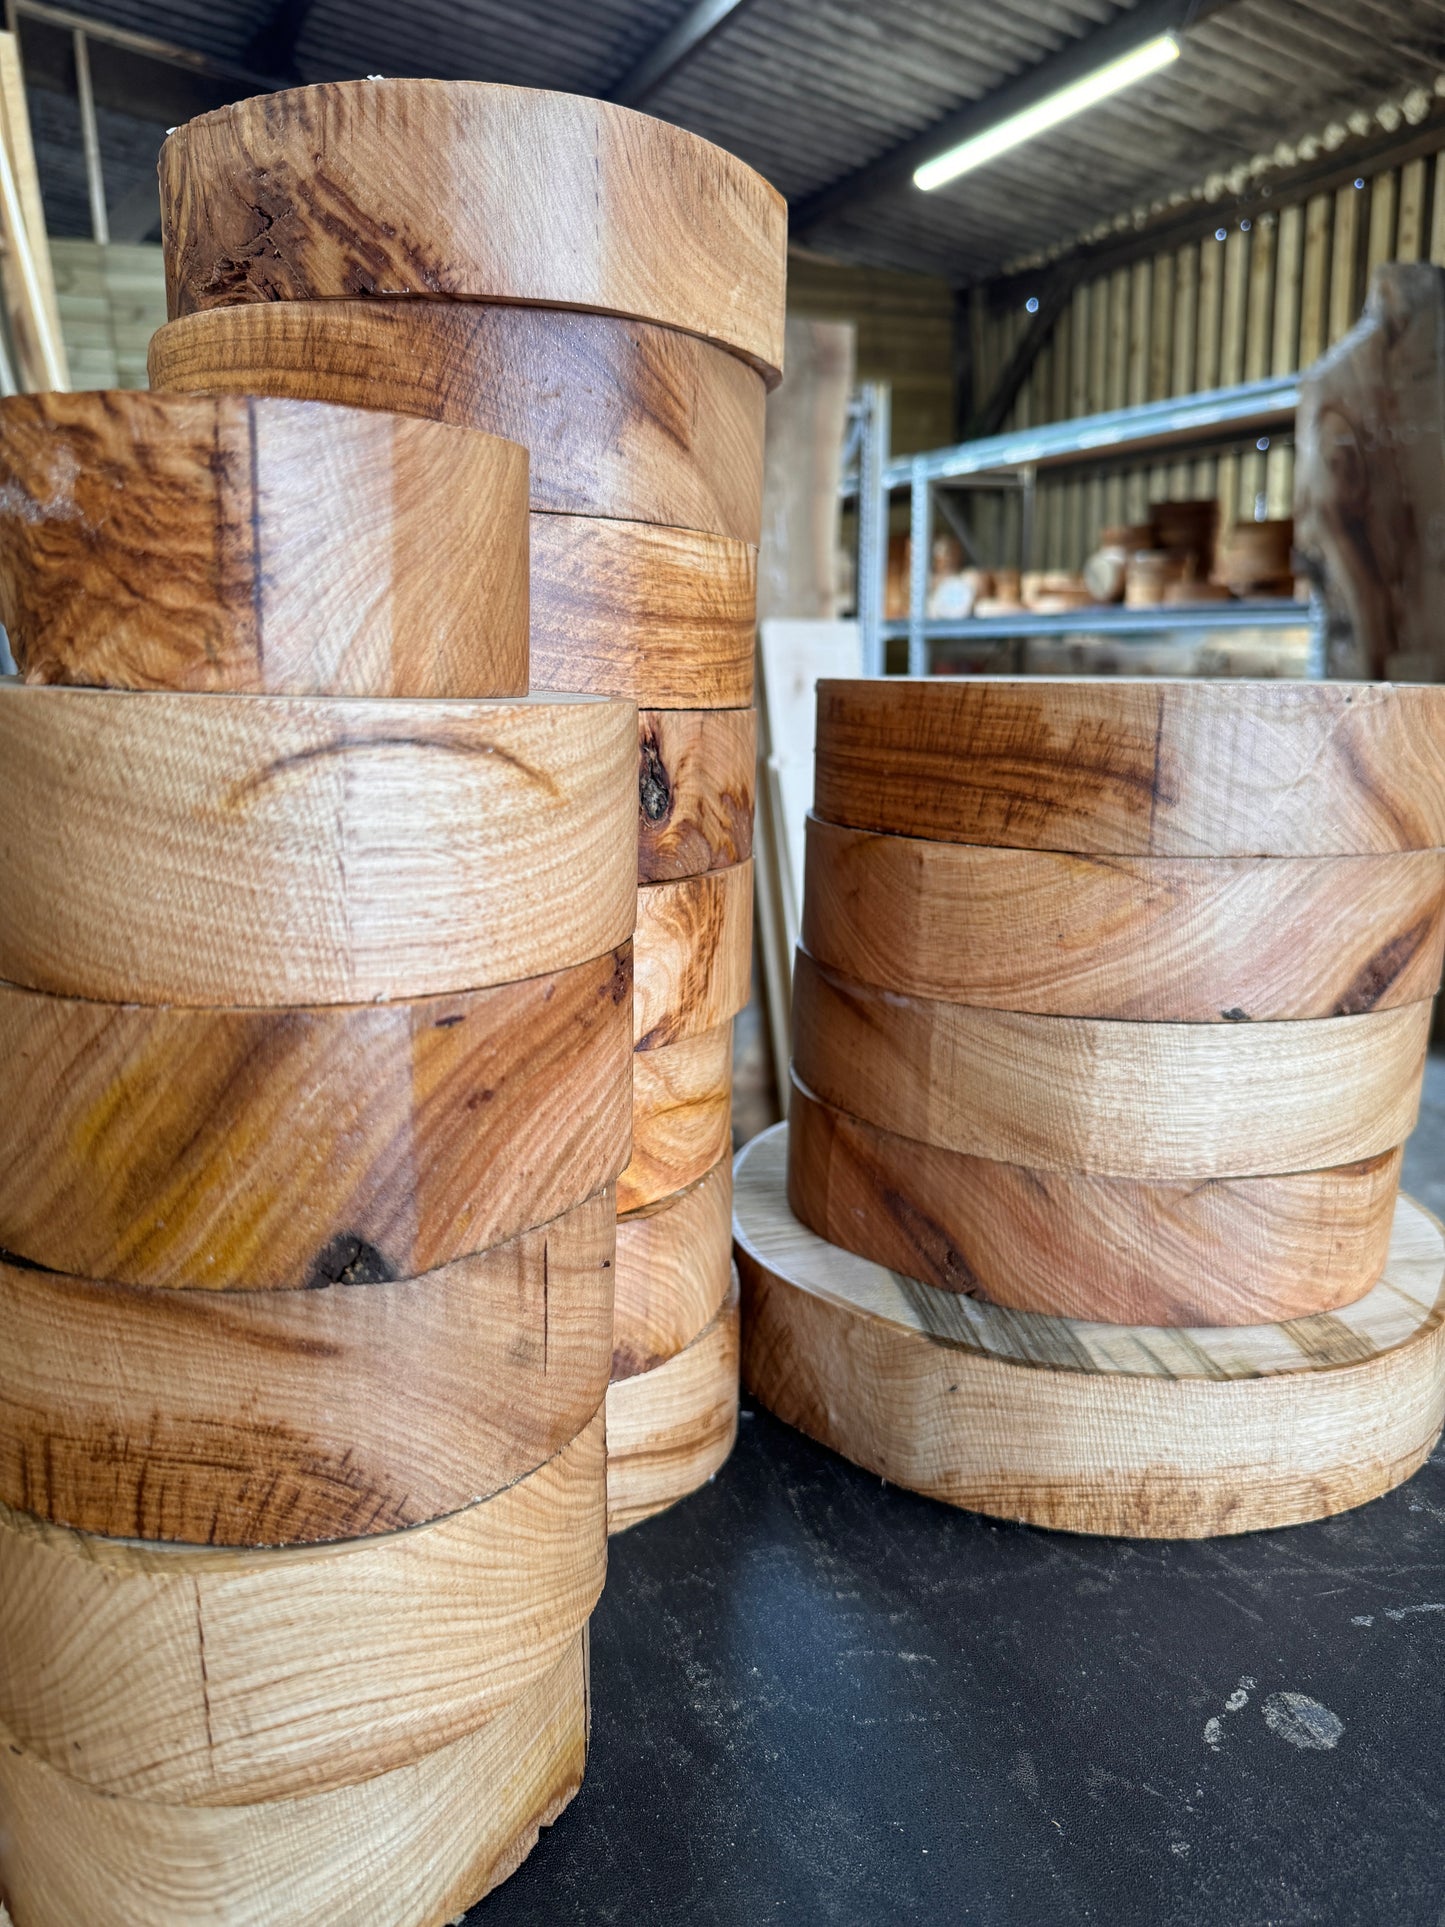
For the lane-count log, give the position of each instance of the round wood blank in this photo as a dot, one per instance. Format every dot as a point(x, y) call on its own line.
point(1090, 1428)
point(411, 1847)
point(183, 542)
point(1188, 939)
point(287, 1418)
point(1089, 1095)
point(696, 779)
point(674, 1260)
point(1119, 767)
point(663, 617)
point(258, 1150)
point(308, 850)
point(447, 188)
point(682, 1098)
point(202, 1677)
point(694, 954)
point(668, 1430)
point(1230, 1251)
point(619, 418)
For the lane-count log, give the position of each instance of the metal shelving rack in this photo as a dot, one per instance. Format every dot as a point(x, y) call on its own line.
point(1218, 419)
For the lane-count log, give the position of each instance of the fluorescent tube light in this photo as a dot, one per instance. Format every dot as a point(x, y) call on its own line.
point(1068, 101)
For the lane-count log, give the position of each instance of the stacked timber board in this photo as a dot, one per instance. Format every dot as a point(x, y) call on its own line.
point(607, 290)
point(316, 985)
point(1109, 1024)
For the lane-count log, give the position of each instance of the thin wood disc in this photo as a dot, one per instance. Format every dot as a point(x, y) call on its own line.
point(454, 188)
point(200, 1677)
point(694, 955)
point(272, 547)
point(237, 850)
point(664, 617)
point(1111, 1099)
point(410, 1848)
point(1230, 1251)
point(674, 1262)
point(696, 781)
point(262, 1150)
point(1146, 767)
point(1090, 1428)
point(669, 1429)
point(1187, 939)
point(682, 1098)
point(288, 1418)
point(620, 419)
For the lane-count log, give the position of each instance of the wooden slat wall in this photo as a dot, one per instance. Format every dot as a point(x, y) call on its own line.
point(1265, 300)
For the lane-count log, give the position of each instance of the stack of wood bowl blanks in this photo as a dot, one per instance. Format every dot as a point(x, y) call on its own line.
point(607, 290)
point(1109, 1025)
point(316, 1009)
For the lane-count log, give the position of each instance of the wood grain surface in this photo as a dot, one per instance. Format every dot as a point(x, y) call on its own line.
point(187, 542)
point(1111, 1099)
point(1187, 939)
point(620, 419)
point(201, 1677)
point(1090, 1428)
point(696, 784)
point(669, 1429)
point(258, 1150)
point(1150, 767)
point(288, 1418)
point(452, 188)
point(286, 850)
point(681, 1116)
point(412, 1847)
point(674, 1262)
point(663, 617)
point(1229, 1251)
point(693, 953)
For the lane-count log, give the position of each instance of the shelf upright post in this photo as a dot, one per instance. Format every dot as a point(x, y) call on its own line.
point(920, 533)
point(873, 524)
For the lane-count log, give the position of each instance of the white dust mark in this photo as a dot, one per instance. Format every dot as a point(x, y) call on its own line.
point(1303, 1722)
point(1403, 1612)
point(1363, 1619)
point(1213, 1734)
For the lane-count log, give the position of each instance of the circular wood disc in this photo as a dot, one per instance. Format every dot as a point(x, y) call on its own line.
point(1090, 1428)
point(663, 617)
point(258, 1150)
point(669, 1429)
point(1187, 939)
point(1148, 767)
point(682, 1097)
point(694, 955)
point(619, 418)
point(674, 1261)
point(285, 850)
point(201, 1677)
point(1230, 1251)
point(182, 542)
point(447, 188)
point(288, 1418)
point(1087, 1095)
point(697, 776)
point(422, 1842)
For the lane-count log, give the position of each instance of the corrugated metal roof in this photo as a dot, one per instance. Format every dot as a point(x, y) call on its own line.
point(807, 94)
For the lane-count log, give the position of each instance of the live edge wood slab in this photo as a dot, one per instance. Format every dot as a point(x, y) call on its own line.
point(412, 1847)
point(1137, 768)
point(450, 189)
point(262, 1150)
point(1228, 1251)
point(1087, 1427)
point(216, 1678)
point(287, 1418)
point(619, 418)
point(1182, 939)
point(694, 952)
point(257, 546)
point(669, 1429)
point(696, 781)
point(284, 850)
point(1109, 1098)
point(674, 1261)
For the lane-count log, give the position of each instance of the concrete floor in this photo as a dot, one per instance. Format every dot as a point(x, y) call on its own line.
point(1425, 1153)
